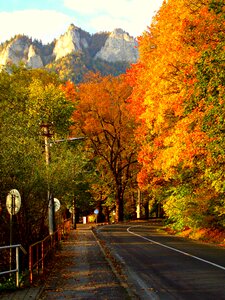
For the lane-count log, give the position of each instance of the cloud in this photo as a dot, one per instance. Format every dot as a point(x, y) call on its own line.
point(133, 16)
point(107, 23)
point(43, 25)
point(87, 6)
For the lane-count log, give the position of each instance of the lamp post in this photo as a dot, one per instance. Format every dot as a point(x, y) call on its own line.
point(48, 133)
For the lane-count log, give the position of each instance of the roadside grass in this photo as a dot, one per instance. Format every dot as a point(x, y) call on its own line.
point(207, 235)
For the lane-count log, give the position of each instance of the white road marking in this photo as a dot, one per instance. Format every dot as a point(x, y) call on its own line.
point(174, 249)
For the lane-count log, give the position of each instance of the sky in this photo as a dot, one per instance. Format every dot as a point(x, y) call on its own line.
point(46, 20)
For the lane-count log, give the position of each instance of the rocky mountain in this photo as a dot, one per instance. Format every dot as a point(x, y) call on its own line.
point(73, 52)
point(119, 44)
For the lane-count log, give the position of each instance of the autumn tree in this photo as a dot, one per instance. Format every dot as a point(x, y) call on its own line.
point(103, 118)
point(178, 95)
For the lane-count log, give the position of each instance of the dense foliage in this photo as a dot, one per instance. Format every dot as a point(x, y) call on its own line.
point(76, 65)
point(178, 99)
point(28, 98)
point(102, 116)
point(167, 113)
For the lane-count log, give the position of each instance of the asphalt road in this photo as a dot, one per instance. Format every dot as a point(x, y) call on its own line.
point(160, 266)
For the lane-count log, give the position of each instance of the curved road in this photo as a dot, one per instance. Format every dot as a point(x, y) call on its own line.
point(160, 266)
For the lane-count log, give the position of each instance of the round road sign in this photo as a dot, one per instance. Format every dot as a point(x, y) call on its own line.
point(13, 202)
point(56, 204)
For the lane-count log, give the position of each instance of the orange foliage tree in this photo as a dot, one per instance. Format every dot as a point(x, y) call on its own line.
point(103, 118)
point(169, 99)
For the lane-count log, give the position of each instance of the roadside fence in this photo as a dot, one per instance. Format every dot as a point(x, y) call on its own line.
point(39, 253)
point(17, 260)
point(42, 251)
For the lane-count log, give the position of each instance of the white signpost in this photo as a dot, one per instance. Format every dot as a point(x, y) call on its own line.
point(13, 203)
point(56, 204)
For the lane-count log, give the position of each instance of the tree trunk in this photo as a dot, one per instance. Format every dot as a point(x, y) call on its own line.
point(146, 208)
point(119, 205)
point(139, 205)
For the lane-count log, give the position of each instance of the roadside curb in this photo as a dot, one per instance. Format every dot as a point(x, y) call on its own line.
point(110, 258)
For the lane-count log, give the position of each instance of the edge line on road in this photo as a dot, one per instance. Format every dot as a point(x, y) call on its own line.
point(174, 249)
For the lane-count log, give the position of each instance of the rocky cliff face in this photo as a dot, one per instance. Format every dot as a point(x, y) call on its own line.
point(15, 51)
point(71, 41)
point(20, 49)
point(117, 46)
point(33, 59)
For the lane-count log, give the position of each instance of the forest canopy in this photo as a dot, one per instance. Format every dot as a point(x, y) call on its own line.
point(159, 128)
point(178, 99)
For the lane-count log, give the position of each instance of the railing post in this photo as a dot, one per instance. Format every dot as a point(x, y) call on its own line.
point(31, 263)
point(60, 233)
point(37, 258)
point(42, 256)
point(17, 266)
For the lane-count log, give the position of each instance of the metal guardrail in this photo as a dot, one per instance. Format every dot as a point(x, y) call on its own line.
point(16, 270)
point(40, 251)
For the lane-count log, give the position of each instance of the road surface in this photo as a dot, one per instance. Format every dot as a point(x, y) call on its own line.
point(160, 266)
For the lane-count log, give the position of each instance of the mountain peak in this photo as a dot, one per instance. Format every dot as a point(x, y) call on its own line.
point(119, 31)
point(110, 47)
point(119, 46)
point(71, 27)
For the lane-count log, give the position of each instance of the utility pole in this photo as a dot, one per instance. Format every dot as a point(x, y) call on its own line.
point(71, 139)
point(47, 133)
point(51, 212)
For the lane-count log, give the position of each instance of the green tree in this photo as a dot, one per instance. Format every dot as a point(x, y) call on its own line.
point(29, 97)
